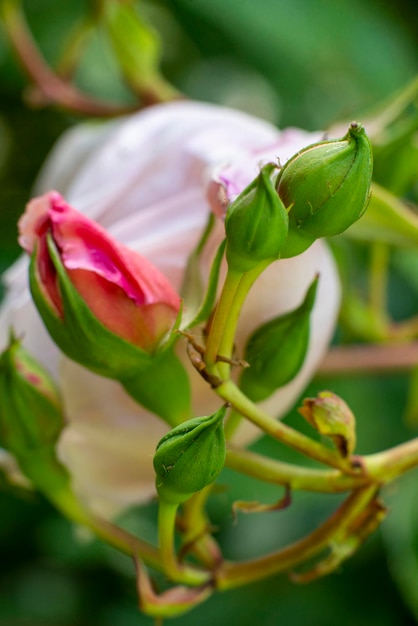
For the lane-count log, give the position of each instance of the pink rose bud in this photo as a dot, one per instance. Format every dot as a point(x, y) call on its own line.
point(104, 305)
point(122, 289)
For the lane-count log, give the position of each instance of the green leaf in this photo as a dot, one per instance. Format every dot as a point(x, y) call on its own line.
point(136, 46)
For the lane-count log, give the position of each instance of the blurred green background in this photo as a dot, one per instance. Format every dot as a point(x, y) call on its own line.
point(307, 63)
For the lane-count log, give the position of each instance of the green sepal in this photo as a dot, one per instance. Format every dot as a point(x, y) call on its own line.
point(202, 313)
point(199, 304)
point(190, 457)
point(79, 334)
point(163, 387)
point(276, 350)
point(256, 223)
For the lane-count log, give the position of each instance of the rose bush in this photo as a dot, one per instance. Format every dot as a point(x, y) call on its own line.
point(150, 180)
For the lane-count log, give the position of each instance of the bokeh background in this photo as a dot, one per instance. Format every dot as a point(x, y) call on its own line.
point(307, 63)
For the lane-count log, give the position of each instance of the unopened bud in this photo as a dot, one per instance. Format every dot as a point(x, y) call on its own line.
point(31, 416)
point(326, 187)
point(190, 457)
point(256, 223)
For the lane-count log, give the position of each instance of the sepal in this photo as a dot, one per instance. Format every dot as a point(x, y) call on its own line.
point(276, 350)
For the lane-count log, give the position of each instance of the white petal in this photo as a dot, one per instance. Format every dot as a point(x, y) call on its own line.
point(109, 442)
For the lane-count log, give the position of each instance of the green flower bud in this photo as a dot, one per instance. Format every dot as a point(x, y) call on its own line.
point(190, 457)
point(276, 350)
point(326, 187)
point(31, 416)
point(256, 224)
point(332, 417)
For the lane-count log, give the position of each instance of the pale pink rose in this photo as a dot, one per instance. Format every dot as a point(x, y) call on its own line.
point(149, 180)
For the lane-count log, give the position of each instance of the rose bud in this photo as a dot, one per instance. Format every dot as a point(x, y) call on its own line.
point(104, 305)
point(31, 416)
point(326, 187)
point(256, 223)
point(190, 457)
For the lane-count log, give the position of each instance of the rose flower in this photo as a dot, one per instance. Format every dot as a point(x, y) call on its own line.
point(150, 181)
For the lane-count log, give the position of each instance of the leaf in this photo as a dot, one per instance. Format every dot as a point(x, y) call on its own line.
point(136, 46)
point(387, 219)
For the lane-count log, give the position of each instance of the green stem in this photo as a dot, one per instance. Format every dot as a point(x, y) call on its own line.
point(276, 429)
point(388, 465)
point(292, 476)
point(221, 319)
point(167, 514)
point(195, 528)
point(236, 574)
point(226, 345)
